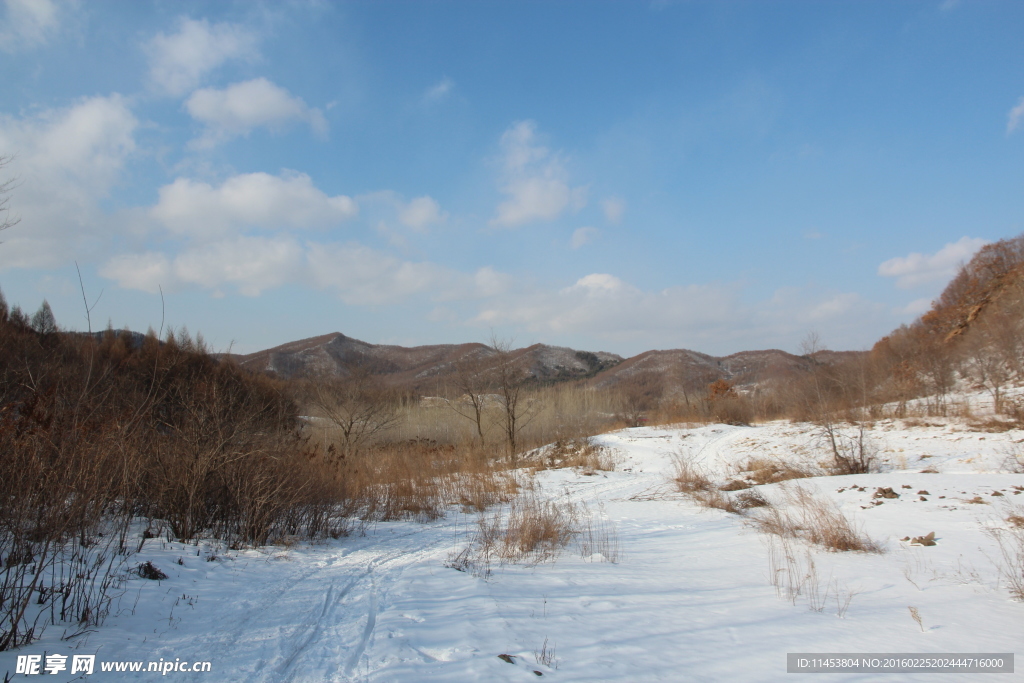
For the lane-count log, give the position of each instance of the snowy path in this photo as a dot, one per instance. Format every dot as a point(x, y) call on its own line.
point(689, 599)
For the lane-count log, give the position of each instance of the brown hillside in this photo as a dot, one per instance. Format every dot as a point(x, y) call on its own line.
point(418, 368)
point(993, 271)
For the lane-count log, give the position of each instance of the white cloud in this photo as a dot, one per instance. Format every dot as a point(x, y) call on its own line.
point(1015, 116)
point(66, 161)
point(364, 276)
point(421, 213)
point(28, 23)
point(359, 275)
point(710, 317)
point(917, 307)
point(178, 62)
point(613, 208)
point(147, 272)
point(199, 210)
point(534, 179)
point(581, 236)
point(605, 306)
point(918, 269)
point(439, 90)
point(598, 282)
point(488, 282)
point(251, 264)
point(241, 107)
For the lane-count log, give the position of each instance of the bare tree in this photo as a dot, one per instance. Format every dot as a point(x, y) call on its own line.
point(831, 388)
point(640, 394)
point(6, 220)
point(472, 381)
point(357, 405)
point(986, 365)
point(517, 410)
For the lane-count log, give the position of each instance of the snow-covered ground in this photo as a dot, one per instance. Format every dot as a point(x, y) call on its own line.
point(689, 598)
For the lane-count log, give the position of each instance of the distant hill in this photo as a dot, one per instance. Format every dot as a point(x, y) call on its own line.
point(419, 368)
point(692, 370)
point(423, 369)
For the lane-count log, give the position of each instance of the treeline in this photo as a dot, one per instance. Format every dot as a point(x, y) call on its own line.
point(972, 337)
point(101, 435)
point(973, 334)
point(111, 439)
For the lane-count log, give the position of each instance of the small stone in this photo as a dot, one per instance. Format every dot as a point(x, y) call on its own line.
point(922, 492)
point(996, 493)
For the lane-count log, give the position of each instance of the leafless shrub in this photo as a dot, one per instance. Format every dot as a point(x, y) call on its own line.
point(1014, 460)
point(1011, 551)
point(148, 570)
point(751, 499)
point(851, 450)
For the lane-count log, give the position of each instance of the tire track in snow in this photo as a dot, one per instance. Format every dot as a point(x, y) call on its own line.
point(327, 633)
point(371, 623)
point(315, 626)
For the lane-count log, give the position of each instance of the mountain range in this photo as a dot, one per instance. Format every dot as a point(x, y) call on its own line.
point(425, 369)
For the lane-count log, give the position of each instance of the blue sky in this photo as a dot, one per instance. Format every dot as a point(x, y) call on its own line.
point(611, 176)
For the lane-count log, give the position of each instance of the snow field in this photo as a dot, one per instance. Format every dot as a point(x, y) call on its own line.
point(690, 598)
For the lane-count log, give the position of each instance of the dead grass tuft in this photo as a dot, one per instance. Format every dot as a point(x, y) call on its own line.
point(816, 520)
point(1011, 551)
point(580, 454)
point(690, 477)
point(530, 530)
point(692, 480)
point(765, 471)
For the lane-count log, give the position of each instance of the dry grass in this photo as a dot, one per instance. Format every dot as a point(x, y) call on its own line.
point(794, 575)
point(692, 480)
point(768, 471)
point(561, 412)
point(1011, 551)
point(419, 479)
point(690, 477)
point(531, 530)
point(579, 454)
point(816, 520)
point(546, 656)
